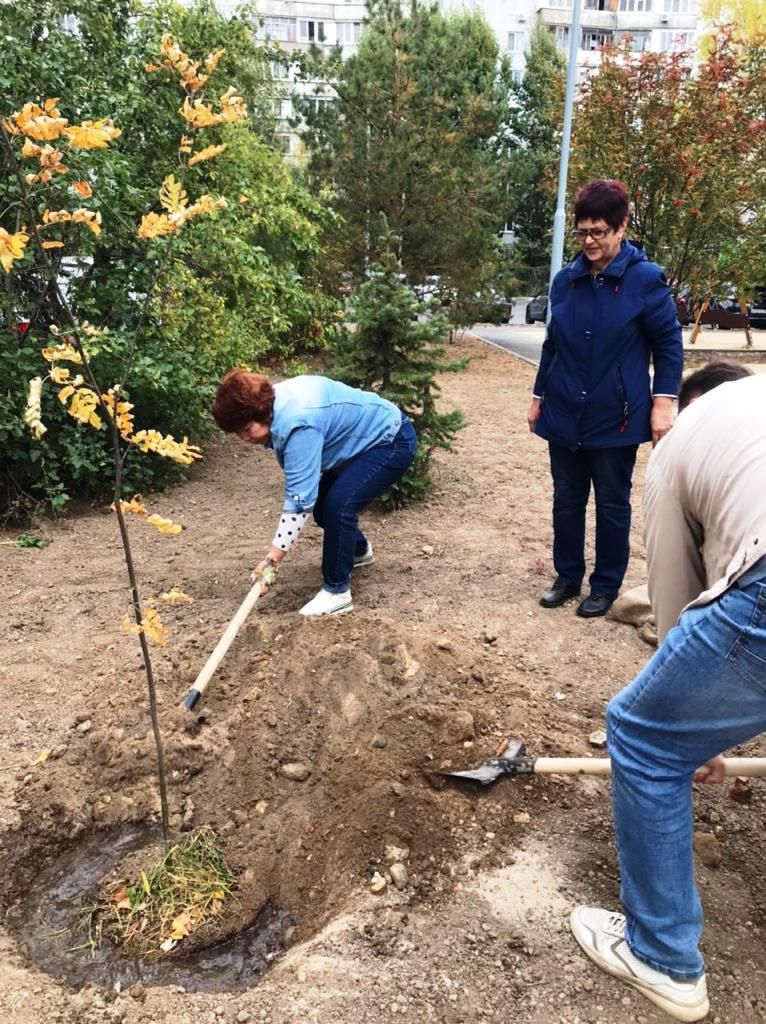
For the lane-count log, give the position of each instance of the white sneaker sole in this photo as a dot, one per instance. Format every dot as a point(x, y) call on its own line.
point(321, 615)
point(364, 560)
point(678, 1011)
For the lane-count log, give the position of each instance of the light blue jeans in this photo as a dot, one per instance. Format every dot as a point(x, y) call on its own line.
point(703, 692)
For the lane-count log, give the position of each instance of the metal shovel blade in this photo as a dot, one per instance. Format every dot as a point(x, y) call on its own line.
point(487, 772)
point(493, 768)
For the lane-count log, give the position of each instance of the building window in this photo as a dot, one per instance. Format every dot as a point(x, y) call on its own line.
point(314, 104)
point(560, 35)
point(349, 32)
point(279, 70)
point(283, 143)
point(680, 7)
point(561, 3)
point(640, 42)
point(635, 5)
point(311, 31)
point(676, 41)
point(515, 42)
point(596, 40)
point(282, 29)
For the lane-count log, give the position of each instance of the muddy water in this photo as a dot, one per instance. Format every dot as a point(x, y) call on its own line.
point(46, 929)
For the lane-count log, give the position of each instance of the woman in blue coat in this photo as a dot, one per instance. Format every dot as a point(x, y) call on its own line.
point(593, 402)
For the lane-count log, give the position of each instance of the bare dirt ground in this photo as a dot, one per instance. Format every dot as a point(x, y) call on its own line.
point(447, 652)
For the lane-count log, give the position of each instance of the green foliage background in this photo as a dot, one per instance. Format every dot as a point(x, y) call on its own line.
point(242, 287)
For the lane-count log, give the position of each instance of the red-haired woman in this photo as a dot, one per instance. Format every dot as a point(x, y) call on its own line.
point(339, 448)
point(611, 312)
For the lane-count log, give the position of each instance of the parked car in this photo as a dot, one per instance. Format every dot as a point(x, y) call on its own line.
point(756, 314)
point(537, 308)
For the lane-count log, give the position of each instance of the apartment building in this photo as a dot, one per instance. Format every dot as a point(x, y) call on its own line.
point(300, 24)
point(658, 25)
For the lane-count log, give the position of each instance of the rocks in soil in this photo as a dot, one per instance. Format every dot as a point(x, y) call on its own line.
point(457, 726)
point(378, 884)
point(707, 849)
point(396, 853)
point(354, 711)
point(398, 874)
point(296, 770)
point(187, 817)
point(597, 739)
point(741, 790)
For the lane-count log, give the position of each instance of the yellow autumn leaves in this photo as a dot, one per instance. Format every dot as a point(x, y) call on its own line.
point(87, 407)
point(42, 125)
point(11, 248)
point(174, 199)
point(151, 623)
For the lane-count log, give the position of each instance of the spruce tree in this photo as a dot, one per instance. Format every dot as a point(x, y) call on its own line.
point(397, 350)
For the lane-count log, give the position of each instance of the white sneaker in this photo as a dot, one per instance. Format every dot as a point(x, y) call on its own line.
point(366, 558)
point(602, 937)
point(326, 603)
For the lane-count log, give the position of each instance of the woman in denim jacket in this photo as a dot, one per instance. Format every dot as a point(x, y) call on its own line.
point(339, 448)
point(611, 312)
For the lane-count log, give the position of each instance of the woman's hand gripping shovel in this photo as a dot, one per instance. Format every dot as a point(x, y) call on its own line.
point(264, 580)
point(513, 761)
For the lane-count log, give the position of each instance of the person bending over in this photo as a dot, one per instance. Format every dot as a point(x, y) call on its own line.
point(339, 448)
point(703, 692)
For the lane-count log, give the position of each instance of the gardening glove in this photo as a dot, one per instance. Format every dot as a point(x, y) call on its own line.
point(265, 573)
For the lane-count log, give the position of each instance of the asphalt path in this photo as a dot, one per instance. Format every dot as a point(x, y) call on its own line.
point(518, 339)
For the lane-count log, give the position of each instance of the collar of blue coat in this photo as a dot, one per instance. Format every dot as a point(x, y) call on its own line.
point(630, 252)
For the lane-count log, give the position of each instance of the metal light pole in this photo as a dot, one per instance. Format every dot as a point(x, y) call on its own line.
point(557, 247)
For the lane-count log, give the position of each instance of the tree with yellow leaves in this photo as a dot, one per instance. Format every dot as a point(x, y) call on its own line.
point(68, 356)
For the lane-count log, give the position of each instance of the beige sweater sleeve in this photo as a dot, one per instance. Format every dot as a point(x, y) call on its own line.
point(673, 550)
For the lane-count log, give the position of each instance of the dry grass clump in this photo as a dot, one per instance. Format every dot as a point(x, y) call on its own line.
point(150, 915)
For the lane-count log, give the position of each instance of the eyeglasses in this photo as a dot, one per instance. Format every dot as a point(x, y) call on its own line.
point(595, 233)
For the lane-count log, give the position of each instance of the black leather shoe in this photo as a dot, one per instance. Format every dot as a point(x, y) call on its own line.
point(558, 594)
point(595, 605)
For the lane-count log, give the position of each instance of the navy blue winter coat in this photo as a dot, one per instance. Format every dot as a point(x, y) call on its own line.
point(594, 370)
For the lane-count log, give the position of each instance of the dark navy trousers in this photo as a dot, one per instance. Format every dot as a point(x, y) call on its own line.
point(610, 471)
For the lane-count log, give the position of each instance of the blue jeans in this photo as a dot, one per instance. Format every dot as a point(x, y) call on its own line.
point(703, 692)
point(345, 491)
point(611, 472)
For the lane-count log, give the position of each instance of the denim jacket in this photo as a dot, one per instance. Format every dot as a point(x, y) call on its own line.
point(318, 424)
point(594, 370)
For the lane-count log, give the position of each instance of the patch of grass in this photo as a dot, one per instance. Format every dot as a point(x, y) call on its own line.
point(26, 541)
point(150, 915)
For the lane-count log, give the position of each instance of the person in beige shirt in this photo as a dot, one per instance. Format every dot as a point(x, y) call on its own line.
point(703, 692)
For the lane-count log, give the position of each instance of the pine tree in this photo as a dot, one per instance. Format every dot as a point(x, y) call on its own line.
point(398, 352)
point(413, 135)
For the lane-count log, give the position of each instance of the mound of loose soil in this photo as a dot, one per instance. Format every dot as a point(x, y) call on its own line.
point(313, 753)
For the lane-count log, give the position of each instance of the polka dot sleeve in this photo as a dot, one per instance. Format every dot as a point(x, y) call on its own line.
point(290, 525)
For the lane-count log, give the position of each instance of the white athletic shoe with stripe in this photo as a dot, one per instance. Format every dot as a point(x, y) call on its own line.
point(326, 603)
point(601, 934)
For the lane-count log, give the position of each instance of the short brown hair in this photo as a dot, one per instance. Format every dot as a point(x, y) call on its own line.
point(605, 199)
point(717, 371)
point(243, 397)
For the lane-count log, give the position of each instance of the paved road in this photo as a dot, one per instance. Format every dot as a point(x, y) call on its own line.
point(527, 342)
point(524, 342)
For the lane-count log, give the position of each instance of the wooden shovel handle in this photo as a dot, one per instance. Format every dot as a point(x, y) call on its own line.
point(200, 685)
point(750, 767)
